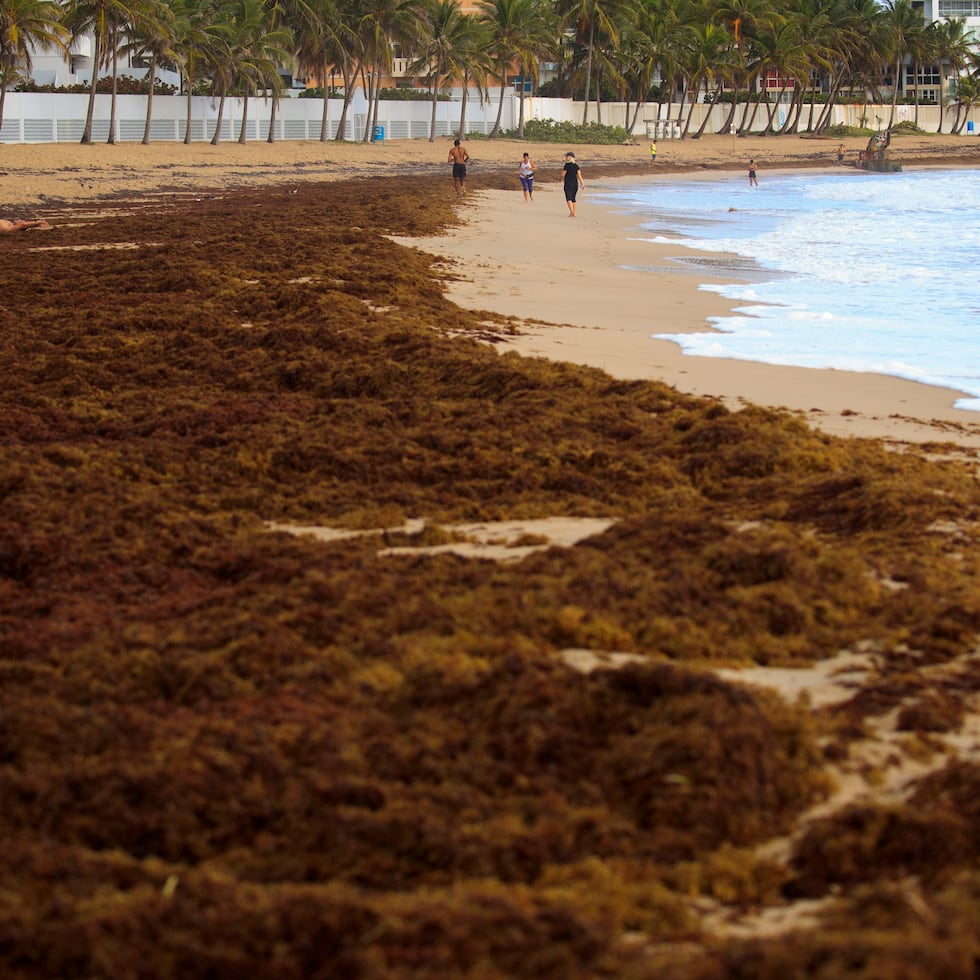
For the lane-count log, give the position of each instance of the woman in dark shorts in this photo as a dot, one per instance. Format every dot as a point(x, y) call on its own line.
point(573, 181)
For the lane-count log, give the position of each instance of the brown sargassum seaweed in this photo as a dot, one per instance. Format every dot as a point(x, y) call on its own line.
point(227, 752)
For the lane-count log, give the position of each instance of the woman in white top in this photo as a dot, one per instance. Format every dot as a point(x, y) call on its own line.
point(527, 177)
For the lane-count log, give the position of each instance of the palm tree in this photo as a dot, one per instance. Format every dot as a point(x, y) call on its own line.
point(663, 22)
point(443, 41)
point(25, 25)
point(745, 20)
point(846, 47)
point(588, 19)
point(193, 44)
point(967, 95)
point(818, 36)
point(292, 16)
point(259, 46)
point(252, 51)
point(475, 63)
point(706, 49)
point(381, 24)
point(952, 47)
point(327, 41)
point(780, 53)
point(522, 32)
point(902, 25)
point(102, 19)
point(151, 33)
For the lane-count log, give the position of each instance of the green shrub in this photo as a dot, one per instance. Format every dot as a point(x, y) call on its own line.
point(551, 131)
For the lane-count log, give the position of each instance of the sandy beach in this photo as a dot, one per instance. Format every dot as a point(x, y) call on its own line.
point(338, 638)
point(592, 292)
point(570, 288)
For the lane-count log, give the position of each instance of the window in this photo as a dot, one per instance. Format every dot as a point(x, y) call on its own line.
point(928, 75)
point(959, 8)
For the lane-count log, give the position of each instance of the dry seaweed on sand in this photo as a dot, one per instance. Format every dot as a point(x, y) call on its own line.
point(225, 750)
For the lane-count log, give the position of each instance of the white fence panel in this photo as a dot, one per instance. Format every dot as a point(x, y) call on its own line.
point(39, 117)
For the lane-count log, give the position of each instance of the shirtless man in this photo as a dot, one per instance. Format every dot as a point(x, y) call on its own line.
point(9, 227)
point(458, 157)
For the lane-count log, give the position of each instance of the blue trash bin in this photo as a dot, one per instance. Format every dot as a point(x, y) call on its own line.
point(379, 134)
point(969, 126)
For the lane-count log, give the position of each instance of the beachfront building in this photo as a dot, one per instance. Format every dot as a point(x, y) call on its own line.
point(934, 82)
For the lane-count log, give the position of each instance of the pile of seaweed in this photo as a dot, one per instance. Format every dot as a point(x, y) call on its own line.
point(230, 752)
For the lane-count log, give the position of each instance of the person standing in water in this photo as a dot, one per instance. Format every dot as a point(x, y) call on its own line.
point(526, 173)
point(753, 180)
point(573, 181)
point(458, 157)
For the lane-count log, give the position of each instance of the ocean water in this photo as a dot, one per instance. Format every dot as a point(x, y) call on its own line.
point(849, 270)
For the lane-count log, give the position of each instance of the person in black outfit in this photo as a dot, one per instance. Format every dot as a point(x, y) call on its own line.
point(573, 181)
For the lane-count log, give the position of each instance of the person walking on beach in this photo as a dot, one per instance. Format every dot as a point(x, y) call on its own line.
point(458, 157)
point(753, 180)
point(573, 181)
point(8, 227)
point(526, 173)
point(840, 153)
point(653, 151)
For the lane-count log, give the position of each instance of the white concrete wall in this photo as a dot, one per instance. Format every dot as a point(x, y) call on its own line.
point(55, 117)
point(40, 117)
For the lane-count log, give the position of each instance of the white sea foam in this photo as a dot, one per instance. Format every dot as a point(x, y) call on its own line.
point(871, 272)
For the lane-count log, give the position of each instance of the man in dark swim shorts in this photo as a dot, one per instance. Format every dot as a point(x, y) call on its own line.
point(458, 157)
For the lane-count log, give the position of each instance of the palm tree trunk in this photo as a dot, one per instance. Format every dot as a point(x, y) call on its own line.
point(324, 121)
point(942, 100)
point(891, 116)
point(242, 131)
point(349, 76)
point(96, 59)
point(588, 75)
point(747, 128)
point(730, 118)
point(373, 81)
point(707, 115)
point(432, 119)
point(271, 138)
point(680, 107)
point(690, 113)
point(915, 79)
point(217, 123)
point(520, 117)
point(813, 102)
point(190, 104)
point(500, 112)
point(115, 80)
point(375, 108)
point(797, 105)
point(151, 82)
point(462, 107)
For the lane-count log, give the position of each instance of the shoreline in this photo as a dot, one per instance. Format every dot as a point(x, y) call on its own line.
point(574, 294)
point(597, 297)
